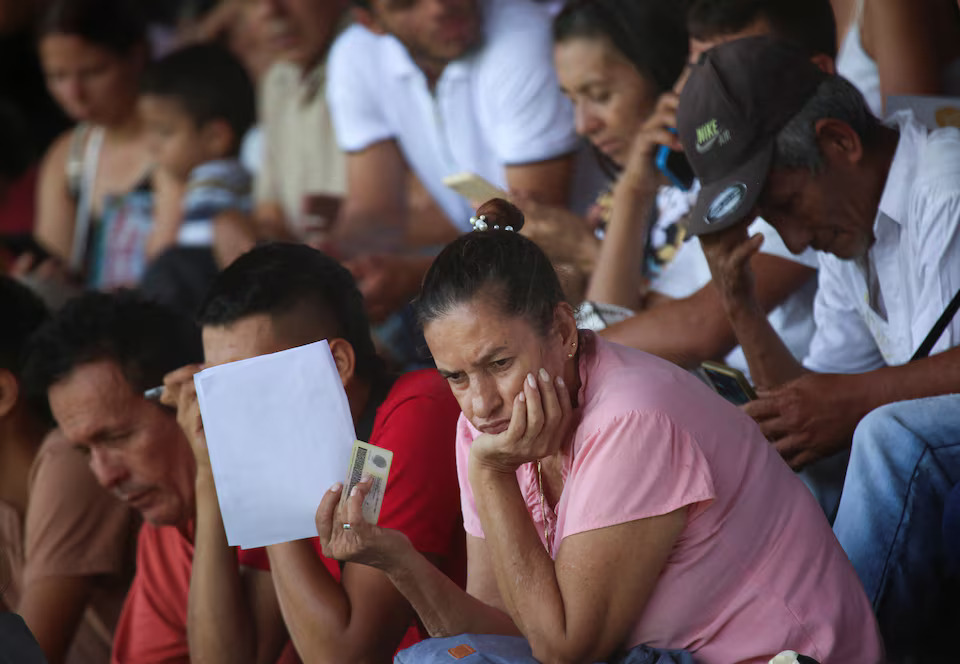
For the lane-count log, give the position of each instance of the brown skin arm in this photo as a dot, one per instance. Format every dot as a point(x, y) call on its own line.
point(547, 182)
point(376, 202)
point(898, 35)
point(693, 329)
point(55, 209)
point(361, 619)
point(579, 608)
point(815, 415)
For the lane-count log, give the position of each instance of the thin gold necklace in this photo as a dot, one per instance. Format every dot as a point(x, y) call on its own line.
point(543, 511)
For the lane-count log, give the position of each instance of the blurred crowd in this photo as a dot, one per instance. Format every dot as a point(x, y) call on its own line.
point(547, 243)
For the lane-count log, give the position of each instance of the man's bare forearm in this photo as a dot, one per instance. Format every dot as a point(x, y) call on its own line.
point(219, 623)
point(931, 376)
point(771, 362)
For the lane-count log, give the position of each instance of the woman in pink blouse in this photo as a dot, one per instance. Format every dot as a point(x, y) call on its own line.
point(610, 499)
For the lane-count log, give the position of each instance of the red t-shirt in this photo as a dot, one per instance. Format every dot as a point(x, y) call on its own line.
point(418, 423)
point(153, 623)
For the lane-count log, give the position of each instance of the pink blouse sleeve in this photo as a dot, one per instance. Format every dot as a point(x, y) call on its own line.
point(639, 465)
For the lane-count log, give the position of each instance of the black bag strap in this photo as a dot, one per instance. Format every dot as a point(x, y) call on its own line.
point(937, 330)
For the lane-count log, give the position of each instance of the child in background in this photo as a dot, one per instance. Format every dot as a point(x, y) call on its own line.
point(197, 105)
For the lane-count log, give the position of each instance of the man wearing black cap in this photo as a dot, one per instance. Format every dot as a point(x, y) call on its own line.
point(770, 134)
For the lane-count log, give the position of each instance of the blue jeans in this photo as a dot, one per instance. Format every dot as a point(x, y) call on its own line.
point(904, 462)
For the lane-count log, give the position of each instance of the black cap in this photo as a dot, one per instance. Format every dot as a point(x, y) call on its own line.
point(737, 99)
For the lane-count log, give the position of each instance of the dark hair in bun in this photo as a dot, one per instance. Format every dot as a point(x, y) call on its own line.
point(500, 214)
point(503, 266)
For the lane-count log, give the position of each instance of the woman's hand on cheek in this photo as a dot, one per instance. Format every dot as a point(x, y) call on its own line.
point(542, 413)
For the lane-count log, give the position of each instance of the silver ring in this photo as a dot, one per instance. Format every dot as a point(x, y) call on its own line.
point(347, 526)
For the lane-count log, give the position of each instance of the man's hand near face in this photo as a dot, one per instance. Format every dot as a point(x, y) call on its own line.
point(216, 580)
point(728, 254)
point(180, 393)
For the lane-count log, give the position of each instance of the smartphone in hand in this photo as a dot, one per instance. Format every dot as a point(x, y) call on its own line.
point(729, 383)
point(473, 187)
point(675, 166)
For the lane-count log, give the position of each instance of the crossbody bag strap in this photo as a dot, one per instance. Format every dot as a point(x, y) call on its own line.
point(937, 330)
point(84, 200)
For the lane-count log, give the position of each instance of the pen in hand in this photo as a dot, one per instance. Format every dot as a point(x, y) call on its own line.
point(154, 393)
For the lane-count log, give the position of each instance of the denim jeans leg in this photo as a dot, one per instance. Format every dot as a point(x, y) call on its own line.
point(825, 480)
point(904, 461)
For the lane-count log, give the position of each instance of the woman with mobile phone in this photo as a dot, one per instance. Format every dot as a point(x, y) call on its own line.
point(621, 62)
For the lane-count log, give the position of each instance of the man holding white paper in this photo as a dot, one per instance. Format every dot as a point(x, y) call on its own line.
point(280, 297)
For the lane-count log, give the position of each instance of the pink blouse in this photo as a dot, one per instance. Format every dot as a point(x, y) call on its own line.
point(756, 570)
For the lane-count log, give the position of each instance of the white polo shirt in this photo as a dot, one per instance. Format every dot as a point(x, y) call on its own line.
point(865, 322)
point(499, 105)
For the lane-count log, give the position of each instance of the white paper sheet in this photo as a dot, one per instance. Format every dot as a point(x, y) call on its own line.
point(279, 431)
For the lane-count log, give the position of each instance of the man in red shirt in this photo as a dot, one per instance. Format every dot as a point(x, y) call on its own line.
point(191, 599)
point(278, 297)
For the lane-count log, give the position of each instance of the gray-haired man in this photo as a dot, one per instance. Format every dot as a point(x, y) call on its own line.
point(775, 136)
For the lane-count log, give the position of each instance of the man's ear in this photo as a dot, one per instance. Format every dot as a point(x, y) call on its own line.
point(345, 359)
point(218, 137)
point(838, 140)
point(9, 392)
point(367, 19)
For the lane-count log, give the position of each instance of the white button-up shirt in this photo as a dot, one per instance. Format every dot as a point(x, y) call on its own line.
point(876, 312)
point(496, 106)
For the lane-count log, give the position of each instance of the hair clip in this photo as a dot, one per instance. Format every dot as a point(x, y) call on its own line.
point(480, 224)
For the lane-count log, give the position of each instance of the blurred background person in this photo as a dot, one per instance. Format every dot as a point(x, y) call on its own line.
point(69, 543)
point(103, 210)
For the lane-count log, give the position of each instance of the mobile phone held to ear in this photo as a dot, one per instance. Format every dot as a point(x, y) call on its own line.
point(729, 383)
point(473, 187)
point(675, 166)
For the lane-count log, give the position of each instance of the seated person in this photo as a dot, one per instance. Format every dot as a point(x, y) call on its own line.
point(66, 545)
point(92, 364)
point(302, 174)
point(278, 297)
point(468, 87)
point(102, 209)
point(611, 58)
point(610, 498)
point(882, 201)
point(197, 105)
